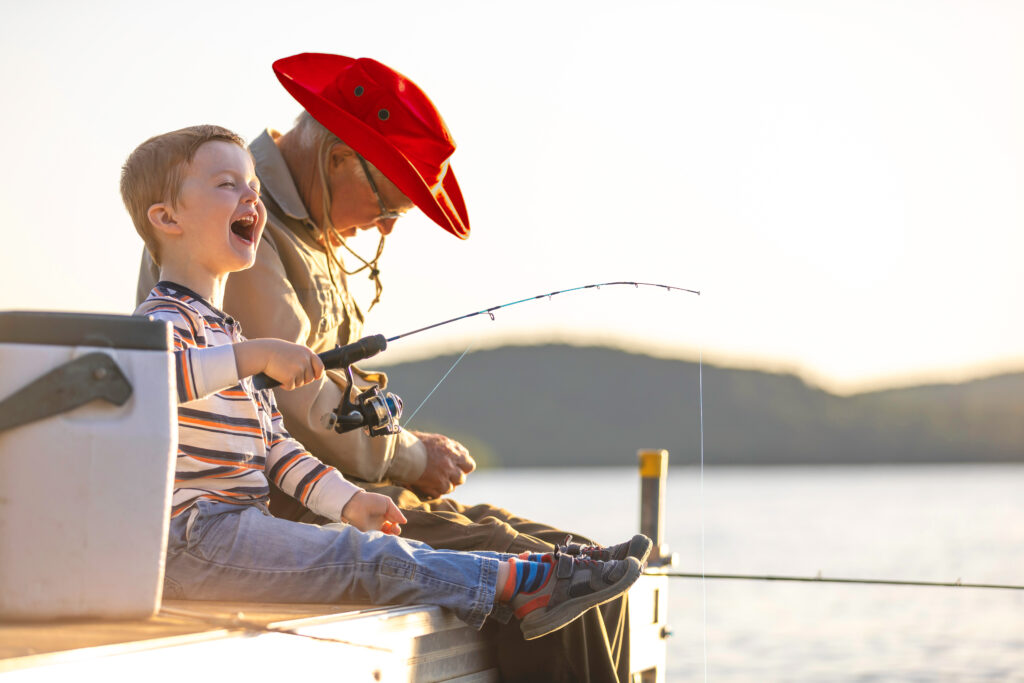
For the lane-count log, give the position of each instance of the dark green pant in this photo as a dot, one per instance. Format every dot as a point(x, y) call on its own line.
point(595, 647)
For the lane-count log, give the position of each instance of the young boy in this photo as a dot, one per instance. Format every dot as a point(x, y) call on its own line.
point(194, 198)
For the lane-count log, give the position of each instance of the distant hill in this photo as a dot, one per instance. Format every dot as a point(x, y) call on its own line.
point(564, 405)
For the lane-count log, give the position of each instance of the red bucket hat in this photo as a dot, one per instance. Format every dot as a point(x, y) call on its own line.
point(387, 119)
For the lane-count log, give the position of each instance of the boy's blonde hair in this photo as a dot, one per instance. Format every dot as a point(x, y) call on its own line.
point(153, 173)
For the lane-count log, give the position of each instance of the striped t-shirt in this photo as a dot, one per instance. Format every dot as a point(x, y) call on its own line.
point(231, 438)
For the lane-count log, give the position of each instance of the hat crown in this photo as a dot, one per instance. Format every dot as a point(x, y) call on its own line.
point(396, 109)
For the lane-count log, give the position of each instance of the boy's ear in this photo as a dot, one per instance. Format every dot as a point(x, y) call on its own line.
point(162, 218)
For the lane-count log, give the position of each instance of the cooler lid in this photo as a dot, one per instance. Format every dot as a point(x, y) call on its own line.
point(84, 329)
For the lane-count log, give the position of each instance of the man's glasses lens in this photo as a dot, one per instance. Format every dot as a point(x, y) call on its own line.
point(385, 213)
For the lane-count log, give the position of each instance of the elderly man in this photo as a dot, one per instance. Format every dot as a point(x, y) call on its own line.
point(369, 146)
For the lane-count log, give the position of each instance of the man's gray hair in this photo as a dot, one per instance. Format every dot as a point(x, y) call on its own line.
point(313, 134)
point(314, 137)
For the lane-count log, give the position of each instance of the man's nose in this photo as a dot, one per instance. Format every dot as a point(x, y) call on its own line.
point(385, 225)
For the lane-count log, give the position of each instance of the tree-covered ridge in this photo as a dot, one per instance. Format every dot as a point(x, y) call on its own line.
point(566, 405)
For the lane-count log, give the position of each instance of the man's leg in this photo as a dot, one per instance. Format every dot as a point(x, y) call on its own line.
point(446, 523)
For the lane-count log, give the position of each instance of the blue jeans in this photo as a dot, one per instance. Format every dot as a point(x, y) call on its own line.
point(219, 551)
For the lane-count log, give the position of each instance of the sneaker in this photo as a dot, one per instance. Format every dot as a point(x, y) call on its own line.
point(574, 585)
point(639, 547)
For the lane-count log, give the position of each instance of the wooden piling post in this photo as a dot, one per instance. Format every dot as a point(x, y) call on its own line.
point(653, 474)
point(648, 599)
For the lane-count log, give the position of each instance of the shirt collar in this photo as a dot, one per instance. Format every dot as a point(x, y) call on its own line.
point(275, 178)
point(174, 287)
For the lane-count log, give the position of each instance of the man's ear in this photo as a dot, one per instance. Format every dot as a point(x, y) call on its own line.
point(339, 153)
point(162, 218)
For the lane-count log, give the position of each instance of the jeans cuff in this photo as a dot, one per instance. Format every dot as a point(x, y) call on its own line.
point(486, 594)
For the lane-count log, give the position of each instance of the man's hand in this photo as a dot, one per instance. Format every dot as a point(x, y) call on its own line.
point(448, 463)
point(373, 512)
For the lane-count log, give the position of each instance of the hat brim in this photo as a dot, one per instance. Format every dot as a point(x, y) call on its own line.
point(306, 75)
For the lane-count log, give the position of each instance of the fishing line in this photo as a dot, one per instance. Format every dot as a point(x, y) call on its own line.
point(703, 582)
point(437, 385)
point(820, 579)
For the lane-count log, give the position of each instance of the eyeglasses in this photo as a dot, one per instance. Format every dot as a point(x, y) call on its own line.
point(385, 213)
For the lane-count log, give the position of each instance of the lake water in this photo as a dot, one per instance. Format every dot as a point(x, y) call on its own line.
point(930, 523)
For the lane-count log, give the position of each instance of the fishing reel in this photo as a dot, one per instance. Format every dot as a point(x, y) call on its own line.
point(376, 411)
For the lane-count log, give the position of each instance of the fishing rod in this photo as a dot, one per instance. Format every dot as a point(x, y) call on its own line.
point(490, 311)
point(379, 412)
point(821, 579)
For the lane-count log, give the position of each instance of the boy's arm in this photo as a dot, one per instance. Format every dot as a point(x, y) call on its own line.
point(323, 489)
point(295, 471)
point(203, 370)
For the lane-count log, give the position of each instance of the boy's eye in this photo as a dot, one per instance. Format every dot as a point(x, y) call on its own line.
point(227, 183)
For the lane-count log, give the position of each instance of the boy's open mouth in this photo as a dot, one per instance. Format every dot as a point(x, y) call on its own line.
point(245, 228)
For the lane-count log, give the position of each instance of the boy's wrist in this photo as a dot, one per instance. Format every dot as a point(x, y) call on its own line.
point(241, 357)
point(344, 507)
point(248, 359)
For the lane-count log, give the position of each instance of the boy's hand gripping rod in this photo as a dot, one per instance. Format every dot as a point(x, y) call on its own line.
point(377, 411)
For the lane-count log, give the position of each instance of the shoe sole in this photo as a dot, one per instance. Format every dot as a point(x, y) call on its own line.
point(571, 610)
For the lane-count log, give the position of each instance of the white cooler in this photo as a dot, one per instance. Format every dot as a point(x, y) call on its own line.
point(88, 436)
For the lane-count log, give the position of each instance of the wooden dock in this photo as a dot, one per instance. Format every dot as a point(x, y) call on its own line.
point(357, 642)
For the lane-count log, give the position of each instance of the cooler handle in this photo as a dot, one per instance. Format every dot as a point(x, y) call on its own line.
point(66, 387)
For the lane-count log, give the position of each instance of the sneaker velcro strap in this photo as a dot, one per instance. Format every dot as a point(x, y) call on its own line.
point(563, 569)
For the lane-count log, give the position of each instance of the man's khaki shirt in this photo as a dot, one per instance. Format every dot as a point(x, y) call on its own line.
point(293, 293)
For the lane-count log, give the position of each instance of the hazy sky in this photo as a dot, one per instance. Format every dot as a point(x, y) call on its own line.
point(842, 180)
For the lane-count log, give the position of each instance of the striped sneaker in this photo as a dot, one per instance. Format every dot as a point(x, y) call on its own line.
point(639, 547)
point(574, 585)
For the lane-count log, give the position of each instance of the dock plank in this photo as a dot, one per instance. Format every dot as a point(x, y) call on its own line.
point(176, 618)
point(416, 643)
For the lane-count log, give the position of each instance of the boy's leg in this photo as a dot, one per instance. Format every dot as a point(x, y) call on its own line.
point(220, 551)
